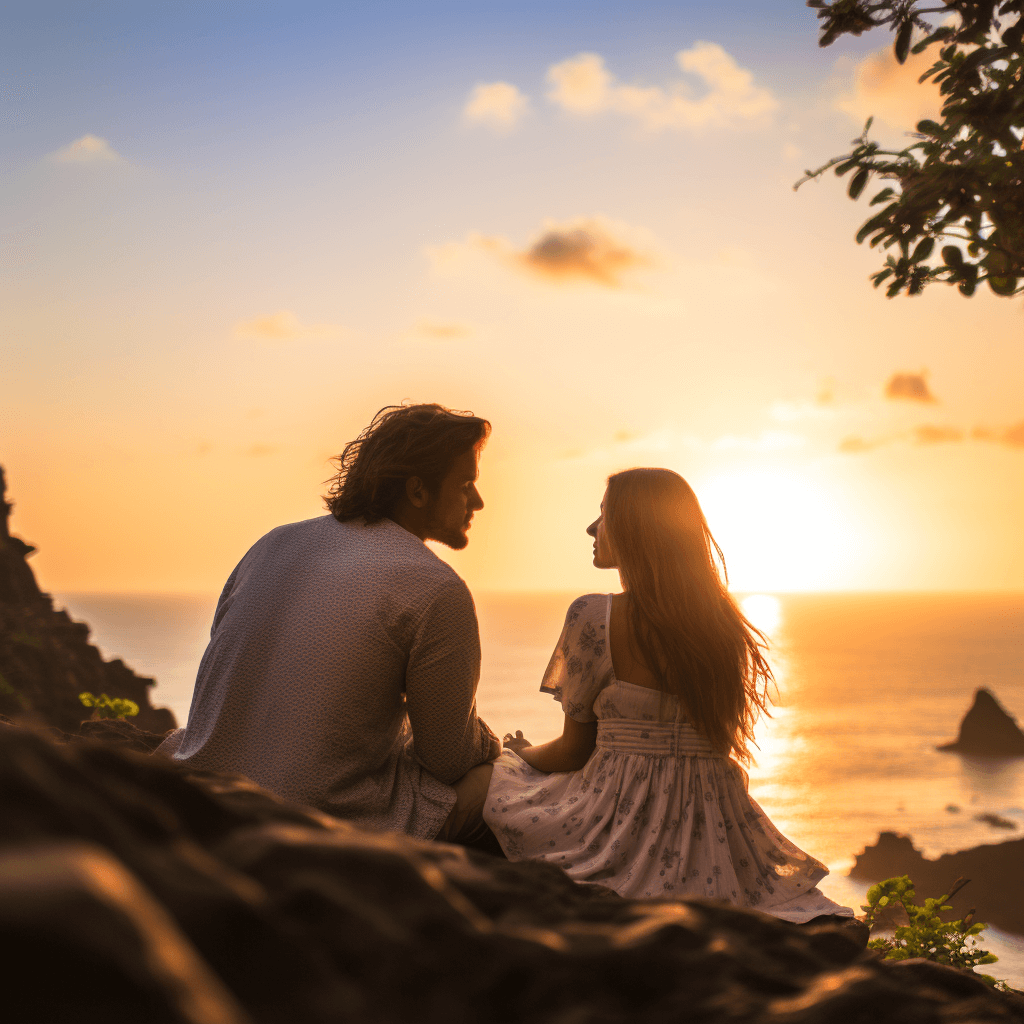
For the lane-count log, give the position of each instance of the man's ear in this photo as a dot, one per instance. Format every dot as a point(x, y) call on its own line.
point(416, 491)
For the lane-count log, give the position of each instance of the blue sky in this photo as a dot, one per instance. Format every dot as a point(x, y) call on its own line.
point(234, 230)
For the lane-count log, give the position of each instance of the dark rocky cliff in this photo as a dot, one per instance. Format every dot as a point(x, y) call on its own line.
point(988, 730)
point(996, 891)
point(46, 659)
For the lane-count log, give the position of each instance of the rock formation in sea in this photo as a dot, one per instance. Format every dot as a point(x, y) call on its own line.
point(46, 659)
point(132, 890)
point(996, 891)
point(988, 730)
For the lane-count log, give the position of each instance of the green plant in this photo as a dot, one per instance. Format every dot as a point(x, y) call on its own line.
point(926, 934)
point(961, 179)
point(109, 707)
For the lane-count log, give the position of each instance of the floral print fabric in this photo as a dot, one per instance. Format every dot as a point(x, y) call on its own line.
point(655, 812)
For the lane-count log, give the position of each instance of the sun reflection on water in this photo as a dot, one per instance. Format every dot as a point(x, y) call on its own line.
point(764, 611)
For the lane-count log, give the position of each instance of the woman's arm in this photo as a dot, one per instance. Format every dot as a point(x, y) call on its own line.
point(569, 753)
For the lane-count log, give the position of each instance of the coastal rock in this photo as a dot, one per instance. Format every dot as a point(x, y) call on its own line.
point(283, 915)
point(46, 659)
point(996, 891)
point(988, 730)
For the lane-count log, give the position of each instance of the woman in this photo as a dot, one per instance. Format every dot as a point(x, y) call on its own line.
point(661, 686)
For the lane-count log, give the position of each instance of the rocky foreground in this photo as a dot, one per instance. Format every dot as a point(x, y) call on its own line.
point(133, 892)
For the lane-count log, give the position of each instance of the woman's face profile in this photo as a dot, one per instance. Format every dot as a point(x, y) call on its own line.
point(604, 556)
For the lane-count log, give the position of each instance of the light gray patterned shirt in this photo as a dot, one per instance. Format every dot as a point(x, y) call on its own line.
point(341, 673)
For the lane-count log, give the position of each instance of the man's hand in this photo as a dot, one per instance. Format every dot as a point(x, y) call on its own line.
point(495, 749)
point(517, 742)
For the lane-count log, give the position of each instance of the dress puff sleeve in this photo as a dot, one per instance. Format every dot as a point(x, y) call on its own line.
point(580, 666)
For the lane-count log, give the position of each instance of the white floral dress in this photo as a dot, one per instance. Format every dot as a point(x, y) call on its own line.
point(655, 812)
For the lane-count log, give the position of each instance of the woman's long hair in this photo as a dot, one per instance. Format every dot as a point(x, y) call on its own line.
point(684, 625)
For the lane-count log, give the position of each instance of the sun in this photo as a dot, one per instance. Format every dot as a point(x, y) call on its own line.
point(780, 531)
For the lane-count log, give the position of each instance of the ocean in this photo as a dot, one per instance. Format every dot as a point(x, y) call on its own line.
point(868, 685)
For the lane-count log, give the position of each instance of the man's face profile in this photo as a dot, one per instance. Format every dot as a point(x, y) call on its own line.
point(450, 511)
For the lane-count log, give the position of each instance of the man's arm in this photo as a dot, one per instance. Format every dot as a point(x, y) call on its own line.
point(440, 688)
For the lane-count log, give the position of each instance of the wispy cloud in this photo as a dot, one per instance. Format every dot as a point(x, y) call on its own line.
point(853, 445)
point(443, 330)
point(889, 91)
point(1012, 437)
point(583, 250)
point(928, 434)
point(89, 149)
point(912, 387)
point(766, 441)
point(591, 250)
point(583, 85)
point(283, 326)
point(498, 104)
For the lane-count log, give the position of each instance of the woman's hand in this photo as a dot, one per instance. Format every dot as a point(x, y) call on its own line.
point(517, 742)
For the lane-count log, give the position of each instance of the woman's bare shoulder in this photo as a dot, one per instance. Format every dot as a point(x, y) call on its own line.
point(587, 605)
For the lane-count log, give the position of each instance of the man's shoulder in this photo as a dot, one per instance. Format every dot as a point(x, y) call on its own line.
point(408, 563)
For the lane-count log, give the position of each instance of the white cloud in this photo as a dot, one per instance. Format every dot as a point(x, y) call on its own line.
point(889, 91)
point(283, 326)
point(582, 85)
point(89, 149)
point(499, 104)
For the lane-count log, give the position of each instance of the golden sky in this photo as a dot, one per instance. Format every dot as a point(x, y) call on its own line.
point(233, 235)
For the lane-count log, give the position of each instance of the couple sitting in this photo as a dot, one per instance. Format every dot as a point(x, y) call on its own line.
point(344, 659)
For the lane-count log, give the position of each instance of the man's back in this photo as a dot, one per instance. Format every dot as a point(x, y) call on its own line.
point(325, 636)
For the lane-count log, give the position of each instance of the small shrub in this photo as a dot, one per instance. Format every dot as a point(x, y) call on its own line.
point(926, 934)
point(109, 707)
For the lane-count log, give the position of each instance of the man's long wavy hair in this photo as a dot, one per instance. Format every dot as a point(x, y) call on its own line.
point(402, 441)
point(684, 625)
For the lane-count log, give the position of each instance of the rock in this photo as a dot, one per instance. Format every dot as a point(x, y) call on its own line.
point(996, 891)
point(988, 730)
point(284, 915)
point(996, 820)
point(46, 659)
point(88, 944)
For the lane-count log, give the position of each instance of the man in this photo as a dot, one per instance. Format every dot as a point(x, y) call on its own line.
point(344, 656)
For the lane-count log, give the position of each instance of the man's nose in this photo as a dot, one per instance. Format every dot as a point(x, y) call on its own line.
point(478, 502)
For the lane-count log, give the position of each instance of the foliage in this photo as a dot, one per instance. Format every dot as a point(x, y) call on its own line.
point(961, 181)
point(109, 707)
point(926, 934)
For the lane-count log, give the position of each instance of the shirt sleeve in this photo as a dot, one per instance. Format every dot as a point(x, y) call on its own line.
point(579, 669)
point(440, 686)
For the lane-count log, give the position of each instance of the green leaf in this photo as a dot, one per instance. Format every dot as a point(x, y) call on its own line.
point(886, 193)
point(902, 47)
point(927, 127)
point(859, 180)
point(923, 250)
point(1002, 285)
point(952, 256)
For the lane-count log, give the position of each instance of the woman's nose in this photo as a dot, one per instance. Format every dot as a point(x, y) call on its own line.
point(592, 528)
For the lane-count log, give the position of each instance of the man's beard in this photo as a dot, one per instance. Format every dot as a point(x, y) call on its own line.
point(454, 539)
